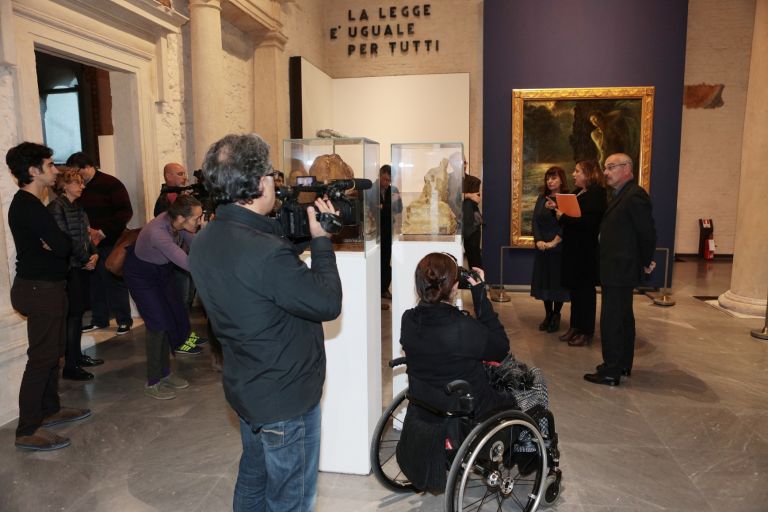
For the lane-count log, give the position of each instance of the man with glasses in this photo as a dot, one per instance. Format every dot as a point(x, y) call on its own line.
point(108, 206)
point(627, 244)
point(266, 307)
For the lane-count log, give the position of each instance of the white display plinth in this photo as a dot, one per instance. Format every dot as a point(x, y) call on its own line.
point(351, 403)
point(405, 256)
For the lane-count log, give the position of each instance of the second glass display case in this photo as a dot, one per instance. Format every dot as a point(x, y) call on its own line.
point(429, 178)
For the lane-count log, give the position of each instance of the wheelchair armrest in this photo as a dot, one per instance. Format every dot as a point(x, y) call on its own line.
point(397, 362)
point(458, 387)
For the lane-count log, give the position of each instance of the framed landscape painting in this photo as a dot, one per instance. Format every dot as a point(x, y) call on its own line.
point(559, 127)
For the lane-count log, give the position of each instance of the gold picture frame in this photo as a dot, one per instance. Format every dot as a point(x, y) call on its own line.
point(562, 126)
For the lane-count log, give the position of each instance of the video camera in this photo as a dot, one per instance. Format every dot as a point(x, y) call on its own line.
point(197, 189)
point(292, 215)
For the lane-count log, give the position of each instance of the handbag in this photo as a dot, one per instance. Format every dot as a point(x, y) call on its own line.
point(116, 259)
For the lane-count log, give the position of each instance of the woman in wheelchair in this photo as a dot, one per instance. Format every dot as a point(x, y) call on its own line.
point(465, 437)
point(443, 344)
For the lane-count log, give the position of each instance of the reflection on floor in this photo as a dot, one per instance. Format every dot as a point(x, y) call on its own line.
point(687, 432)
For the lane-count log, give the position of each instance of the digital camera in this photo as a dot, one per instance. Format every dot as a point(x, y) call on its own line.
point(464, 275)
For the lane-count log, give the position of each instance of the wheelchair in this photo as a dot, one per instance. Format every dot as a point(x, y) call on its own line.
point(507, 461)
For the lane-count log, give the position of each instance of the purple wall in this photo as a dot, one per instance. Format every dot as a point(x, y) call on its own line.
point(532, 44)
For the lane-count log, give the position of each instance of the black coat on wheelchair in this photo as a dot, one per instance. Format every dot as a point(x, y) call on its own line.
point(506, 460)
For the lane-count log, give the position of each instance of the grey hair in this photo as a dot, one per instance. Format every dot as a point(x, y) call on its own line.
point(233, 167)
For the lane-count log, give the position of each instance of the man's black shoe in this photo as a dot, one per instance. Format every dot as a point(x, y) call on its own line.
point(597, 378)
point(76, 373)
point(624, 371)
point(89, 361)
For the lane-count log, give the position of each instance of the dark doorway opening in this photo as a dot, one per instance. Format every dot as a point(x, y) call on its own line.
point(75, 105)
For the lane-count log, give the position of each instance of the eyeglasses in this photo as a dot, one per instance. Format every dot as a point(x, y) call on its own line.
point(272, 174)
point(611, 167)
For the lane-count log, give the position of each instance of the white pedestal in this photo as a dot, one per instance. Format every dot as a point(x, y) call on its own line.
point(405, 257)
point(351, 401)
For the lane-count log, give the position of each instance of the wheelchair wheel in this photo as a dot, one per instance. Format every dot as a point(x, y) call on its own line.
point(501, 465)
point(552, 489)
point(384, 443)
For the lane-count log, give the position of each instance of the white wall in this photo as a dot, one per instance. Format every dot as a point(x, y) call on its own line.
point(397, 109)
point(387, 109)
point(717, 52)
point(316, 99)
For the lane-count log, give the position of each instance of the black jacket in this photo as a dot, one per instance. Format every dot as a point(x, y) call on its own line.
point(266, 307)
point(581, 251)
point(108, 206)
point(32, 225)
point(73, 221)
point(472, 219)
point(443, 345)
point(627, 237)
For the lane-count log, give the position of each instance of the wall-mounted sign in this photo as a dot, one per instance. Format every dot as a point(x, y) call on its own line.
point(387, 30)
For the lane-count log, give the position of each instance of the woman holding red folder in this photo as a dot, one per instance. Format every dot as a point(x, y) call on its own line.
point(580, 259)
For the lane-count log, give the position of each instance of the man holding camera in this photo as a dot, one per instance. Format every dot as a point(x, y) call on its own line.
point(267, 308)
point(175, 175)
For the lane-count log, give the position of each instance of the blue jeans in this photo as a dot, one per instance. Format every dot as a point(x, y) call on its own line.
point(278, 468)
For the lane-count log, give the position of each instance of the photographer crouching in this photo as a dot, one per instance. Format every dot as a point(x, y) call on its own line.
point(267, 308)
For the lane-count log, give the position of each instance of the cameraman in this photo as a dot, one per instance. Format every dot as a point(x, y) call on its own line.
point(175, 175)
point(266, 307)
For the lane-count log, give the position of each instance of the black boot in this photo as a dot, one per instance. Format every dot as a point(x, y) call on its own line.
point(554, 323)
point(544, 326)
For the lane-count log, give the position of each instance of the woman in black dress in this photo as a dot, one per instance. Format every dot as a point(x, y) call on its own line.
point(580, 263)
point(547, 236)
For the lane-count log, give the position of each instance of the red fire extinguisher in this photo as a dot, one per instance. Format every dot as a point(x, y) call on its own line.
point(709, 247)
point(706, 239)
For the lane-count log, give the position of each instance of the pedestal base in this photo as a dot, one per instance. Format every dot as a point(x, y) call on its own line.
point(740, 304)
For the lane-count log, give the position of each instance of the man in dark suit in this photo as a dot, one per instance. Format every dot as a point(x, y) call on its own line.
point(627, 244)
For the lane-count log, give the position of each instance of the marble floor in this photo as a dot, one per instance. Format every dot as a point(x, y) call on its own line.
point(687, 432)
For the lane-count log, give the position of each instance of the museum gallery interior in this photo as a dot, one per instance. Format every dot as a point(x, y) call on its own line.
point(497, 89)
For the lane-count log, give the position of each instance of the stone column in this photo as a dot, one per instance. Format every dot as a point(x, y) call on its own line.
point(749, 280)
point(207, 56)
point(267, 59)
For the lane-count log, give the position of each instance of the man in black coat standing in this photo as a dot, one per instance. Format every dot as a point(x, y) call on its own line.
point(266, 307)
point(627, 244)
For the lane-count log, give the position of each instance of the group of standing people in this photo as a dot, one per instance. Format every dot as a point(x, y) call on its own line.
point(611, 244)
point(61, 274)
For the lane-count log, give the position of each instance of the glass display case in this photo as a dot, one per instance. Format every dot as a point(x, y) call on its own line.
point(315, 166)
point(429, 178)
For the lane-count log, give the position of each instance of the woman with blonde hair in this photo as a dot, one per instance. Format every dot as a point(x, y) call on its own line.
point(73, 221)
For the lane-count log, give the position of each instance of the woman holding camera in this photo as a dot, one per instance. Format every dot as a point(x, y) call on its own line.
point(148, 272)
point(443, 344)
